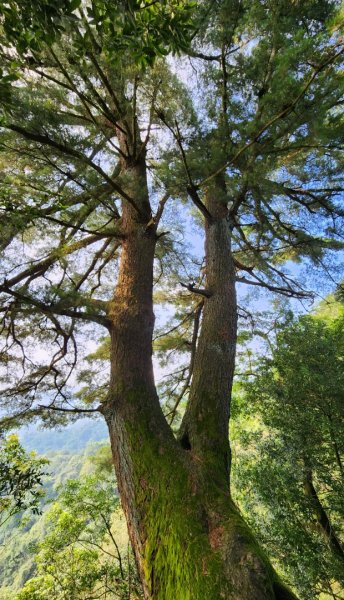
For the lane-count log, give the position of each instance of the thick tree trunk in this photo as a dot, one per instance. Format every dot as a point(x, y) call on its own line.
point(205, 424)
point(189, 540)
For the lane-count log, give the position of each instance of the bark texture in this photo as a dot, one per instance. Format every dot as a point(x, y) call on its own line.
point(205, 425)
point(189, 540)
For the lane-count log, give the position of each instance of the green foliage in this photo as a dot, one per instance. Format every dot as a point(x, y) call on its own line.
point(147, 29)
point(79, 554)
point(102, 460)
point(21, 475)
point(290, 438)
point(20, 535)
point(28, 25)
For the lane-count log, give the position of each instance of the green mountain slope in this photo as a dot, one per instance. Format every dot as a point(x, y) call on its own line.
point(67, 450)
point(73, 438)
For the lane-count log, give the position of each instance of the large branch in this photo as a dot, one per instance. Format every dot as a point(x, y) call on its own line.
point(285, 291)
point(41, 266)
point(61, 308)
point(68, 151)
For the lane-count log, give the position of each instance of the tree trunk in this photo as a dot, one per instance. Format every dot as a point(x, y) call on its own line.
point(321, 516)
point(335, 446)
point(189, 540)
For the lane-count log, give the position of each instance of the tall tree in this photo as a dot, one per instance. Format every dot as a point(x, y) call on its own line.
point(97, 145)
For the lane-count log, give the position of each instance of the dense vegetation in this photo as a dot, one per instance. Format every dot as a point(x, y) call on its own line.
point(20, 479)
point(290, 445)
point(20, 535)
point(117, 166)
point(80, 555)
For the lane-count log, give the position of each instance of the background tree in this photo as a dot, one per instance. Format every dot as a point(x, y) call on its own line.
point(290, 469)
point(80, 555)
point(21, 476)
point(99, 154)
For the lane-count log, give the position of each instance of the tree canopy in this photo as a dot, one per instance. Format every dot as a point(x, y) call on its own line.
point(62, 157)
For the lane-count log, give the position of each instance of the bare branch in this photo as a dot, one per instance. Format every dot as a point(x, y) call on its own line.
point(290, 293)
point(195, 290)
point(70, 410)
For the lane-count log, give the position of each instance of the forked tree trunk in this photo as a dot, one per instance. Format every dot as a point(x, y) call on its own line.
point(189, 540)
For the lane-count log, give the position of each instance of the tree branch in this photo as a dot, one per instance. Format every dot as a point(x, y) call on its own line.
point(290, 293)
point(283, 113)
point(70, 410)
point(66, 150)
point(194, 290)
point(55, 309)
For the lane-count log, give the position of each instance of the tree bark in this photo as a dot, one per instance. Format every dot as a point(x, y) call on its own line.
point(189, 539)
point(205, 424)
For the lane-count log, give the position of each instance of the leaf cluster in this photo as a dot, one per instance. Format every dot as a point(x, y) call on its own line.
point(21, 475)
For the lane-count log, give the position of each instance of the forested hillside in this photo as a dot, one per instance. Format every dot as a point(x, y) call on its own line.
point(68, 454)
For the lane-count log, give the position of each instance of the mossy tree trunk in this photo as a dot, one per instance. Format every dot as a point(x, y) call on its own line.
point(189, 540)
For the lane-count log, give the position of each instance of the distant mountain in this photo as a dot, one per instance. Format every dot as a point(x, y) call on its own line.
point(20, 535)
point(72, 438)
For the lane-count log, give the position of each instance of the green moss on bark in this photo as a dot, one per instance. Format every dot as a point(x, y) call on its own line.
point(178, 561)
point(193, 543)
